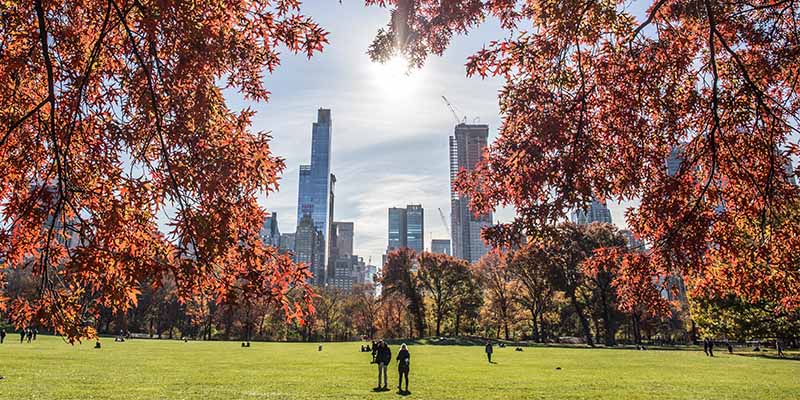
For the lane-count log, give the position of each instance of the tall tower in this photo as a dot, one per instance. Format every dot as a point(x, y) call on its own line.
point(397, 228)
point(314, 195)
point(595, 212)
point(466, 149)
point(415, 227)
point(406, 228)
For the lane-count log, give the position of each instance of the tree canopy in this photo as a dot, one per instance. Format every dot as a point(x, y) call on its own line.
point(596, 100)
point(122, 162)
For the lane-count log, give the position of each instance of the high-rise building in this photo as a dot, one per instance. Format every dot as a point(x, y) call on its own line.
point(315, 189)
point(466, 149)
point(632, 241)
point(270, 234)
point(340, 245)
point(406, 228)
point(440, 246)
point(287, 242)
point(595, 212)
point(397, 228)
point(415, 227)
point(309, 248)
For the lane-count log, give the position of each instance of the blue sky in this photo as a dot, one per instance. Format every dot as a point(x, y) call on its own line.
point(390, 131)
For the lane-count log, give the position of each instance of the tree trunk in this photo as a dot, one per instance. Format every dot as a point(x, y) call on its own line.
point(534, 325)
point(587, 331)
point(458, 322)
point(637, 334)
point(542, 334)
point(438, 324)
point(608, 323)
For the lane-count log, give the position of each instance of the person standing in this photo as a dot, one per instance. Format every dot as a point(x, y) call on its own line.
point(705, 346)
point(2, 335)
point(489, 350)
point(30, 334)
point(711, 347)
point(35, 332)
point(779, 347)
point(403, 365)
point(22, 335)
point(384, 357)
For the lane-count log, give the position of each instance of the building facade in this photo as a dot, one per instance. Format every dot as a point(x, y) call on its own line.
point(407, 228)
point(595, 212)
point(270, 234)
point(466, 149)
point(315, 189)
point(441, 246)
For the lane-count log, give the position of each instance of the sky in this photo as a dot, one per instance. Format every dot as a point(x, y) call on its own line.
point(390, 130)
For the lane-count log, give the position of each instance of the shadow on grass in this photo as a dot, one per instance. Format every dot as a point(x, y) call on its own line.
point(790, 357)
point(403, 393)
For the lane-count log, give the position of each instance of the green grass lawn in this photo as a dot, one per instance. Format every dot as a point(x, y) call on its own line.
point(151, 369)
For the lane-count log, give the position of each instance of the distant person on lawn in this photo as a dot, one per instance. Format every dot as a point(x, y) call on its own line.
point(489, 350)
point(383, 357)
point(403, 365)
point(22, 336)
point(711, 347)
point(2, 335)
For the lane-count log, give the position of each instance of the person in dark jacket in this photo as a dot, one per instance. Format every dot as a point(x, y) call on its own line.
point(489, 350)
point(403, 365)
point(383, 357)
point(2, 335)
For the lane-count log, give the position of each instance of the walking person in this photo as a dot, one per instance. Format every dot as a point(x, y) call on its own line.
point(779, 347)
point(22, 336)
point(489, 350)
point(30, 334)
point(403, 365)
point(384, 357)
point(2, 335)
point(705, 346)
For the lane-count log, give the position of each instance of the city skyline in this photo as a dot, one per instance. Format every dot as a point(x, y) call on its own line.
point(391, 141)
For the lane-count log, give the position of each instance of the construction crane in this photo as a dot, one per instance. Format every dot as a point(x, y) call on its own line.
point(444, 222)
point(455, 114)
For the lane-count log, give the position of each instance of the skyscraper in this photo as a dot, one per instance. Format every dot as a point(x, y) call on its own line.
point(406, 228)
point(340, 245)
point(306, 247)
point(596, 212)
point(415, 227)
point(397, 228)
point(314, 195)
point(270, 234)
point(466, 149)
point(440, 246)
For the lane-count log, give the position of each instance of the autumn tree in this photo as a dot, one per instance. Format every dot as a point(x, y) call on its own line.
point(398, 278)
point(443, 277)
point(500, 289)
point(530, 266)
point(638, 288)
point(362, 305)
point(122, 162)
point(597, 98)
point(467, 304)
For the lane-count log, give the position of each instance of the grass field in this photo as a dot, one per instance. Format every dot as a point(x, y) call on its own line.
point(150, 369)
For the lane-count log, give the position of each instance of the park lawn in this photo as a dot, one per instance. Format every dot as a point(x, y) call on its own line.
point(152, 369)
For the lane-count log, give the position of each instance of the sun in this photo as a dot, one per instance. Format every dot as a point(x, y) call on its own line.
point(395, 77)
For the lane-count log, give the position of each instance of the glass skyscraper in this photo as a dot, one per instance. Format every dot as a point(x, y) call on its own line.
point(314, 194)
point(415, 224)
point(466, 149)
point(406, 228)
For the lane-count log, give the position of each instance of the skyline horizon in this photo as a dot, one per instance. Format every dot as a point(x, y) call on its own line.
point(390, 129)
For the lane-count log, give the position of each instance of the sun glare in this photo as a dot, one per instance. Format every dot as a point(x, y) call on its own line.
point(395, 77)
